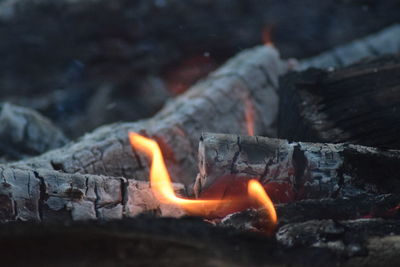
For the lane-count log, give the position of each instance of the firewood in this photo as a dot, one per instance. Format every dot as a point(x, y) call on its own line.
point(45, 195)
point(24, 132)
point(358, 104)
point(382, 43)
point(368, 242)
point(296, 170)
point(361, 206)
point(215, 104)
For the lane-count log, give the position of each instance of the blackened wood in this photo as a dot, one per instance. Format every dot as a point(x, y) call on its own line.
point(215, 104)
point(24, 132)
point(296, 170)
point(362, 206)
point(358, 104)
point(363, 242)
point(378, 44)
point(49, 196)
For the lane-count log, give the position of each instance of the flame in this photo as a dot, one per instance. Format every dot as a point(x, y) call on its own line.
point(256, 191)
point(249, 115)
point(266, 36)
point(161, 185)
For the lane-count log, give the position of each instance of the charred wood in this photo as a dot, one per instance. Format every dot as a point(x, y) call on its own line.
point(214, 104)
point(362, 206)
point(296, 170)
point(358, 104)
point(24, 132)
point(51, 196)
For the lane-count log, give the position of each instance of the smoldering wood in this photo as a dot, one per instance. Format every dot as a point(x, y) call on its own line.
point(363, 206)
point(358, 104)
point(24, 132)
point(50, 196)
point(296, 170)
point(363, 242)
point(214, 104)
point(384, 42)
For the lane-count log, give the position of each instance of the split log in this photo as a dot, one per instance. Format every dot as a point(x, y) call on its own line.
point(358, 104)
point(382, 43)
point(217, 104)
point(24, 132)
point(362, 206)
point(296, 170)
point(45, 195)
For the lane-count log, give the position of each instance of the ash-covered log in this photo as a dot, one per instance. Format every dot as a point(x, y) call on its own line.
point(295, 170)
point(51, 196)
point(381, 43)
point(24, 132)
point(218, 104)
point(358, 104)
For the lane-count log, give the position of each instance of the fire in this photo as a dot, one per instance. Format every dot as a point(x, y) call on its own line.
point(161, 185)
point(249, 116)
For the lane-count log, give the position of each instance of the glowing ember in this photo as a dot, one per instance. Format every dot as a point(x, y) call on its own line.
point(161, 185)
point(249, 115)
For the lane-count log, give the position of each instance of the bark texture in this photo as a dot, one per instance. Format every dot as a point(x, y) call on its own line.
point(358, 104)
point(381, 43)
point(297, 170)
point(215, 104)
point(45, 195)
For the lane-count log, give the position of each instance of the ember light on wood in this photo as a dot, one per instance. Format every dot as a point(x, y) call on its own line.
point(162, 186)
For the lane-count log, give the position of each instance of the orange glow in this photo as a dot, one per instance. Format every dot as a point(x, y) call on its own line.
point(257, 192)
point(249, 116)
point(266, 36)
point(161, 186)
point(160, 180)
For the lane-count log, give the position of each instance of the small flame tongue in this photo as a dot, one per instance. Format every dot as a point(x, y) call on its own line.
point(161, 185)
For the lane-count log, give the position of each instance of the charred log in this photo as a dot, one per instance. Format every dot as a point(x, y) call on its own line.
point(25, 132)
point(358, 104)
point(296, 170)
point(362, 206)
point(45, 195)
point(215, 104)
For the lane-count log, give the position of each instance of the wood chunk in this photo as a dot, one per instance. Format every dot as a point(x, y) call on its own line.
point(358, 104)
point(214, 104)
point(25, 132)
point(296, 170)
point(51, 196)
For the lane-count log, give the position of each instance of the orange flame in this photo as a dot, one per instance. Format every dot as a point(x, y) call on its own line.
point(267, 36)
point(249, 115)
point(257, 192)
point(161, 184)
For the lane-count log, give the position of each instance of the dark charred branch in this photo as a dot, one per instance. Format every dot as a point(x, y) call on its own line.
point(217, 104)
point(362, 206)
point(45, 195)
point(24, 132)
point(296, 170)
point(364, 242)
point(358, 104)
point(382, 43)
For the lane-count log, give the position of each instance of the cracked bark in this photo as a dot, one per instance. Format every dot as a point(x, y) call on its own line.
point(178, 125)
point(358, 104)
point(296, 170)
point(46, 195)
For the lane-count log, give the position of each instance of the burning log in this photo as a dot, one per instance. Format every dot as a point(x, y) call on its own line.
point(215, 104)
point(295, 170)
point(358, 104)
point(45, 195)
point(361, 206)
point(25, 132)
